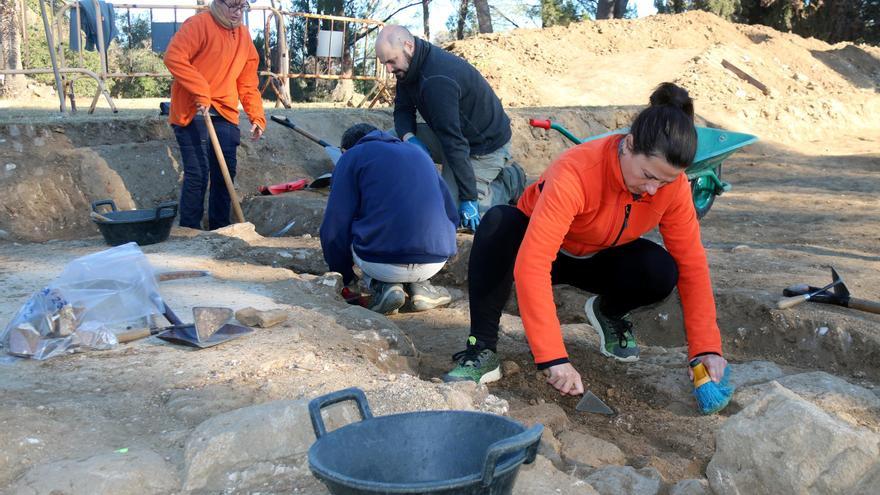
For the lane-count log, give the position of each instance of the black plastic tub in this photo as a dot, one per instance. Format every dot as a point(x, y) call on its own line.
point(431, 452)
point(141, 226)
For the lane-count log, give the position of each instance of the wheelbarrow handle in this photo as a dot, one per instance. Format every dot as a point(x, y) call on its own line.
point(323, 401)
point(542, 124)
point(528, 440)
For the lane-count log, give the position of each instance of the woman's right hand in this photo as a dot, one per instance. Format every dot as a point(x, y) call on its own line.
point(565, 378)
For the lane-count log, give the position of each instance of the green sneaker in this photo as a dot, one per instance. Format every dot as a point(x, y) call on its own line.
point(475, 363)
point(616, 337)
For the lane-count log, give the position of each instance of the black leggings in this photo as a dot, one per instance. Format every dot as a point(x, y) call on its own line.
point(627, 277)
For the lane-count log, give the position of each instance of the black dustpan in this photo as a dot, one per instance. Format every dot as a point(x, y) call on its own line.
point(187, 335)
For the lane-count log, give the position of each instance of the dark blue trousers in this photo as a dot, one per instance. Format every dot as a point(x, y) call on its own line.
point(201, 171)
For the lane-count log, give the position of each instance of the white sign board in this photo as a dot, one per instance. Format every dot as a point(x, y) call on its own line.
point(329, 43)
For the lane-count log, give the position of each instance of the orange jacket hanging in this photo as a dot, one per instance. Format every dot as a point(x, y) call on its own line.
point(213, 66)
point(579, 205)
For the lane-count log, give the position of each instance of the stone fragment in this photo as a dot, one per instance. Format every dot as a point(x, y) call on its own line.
point(253, 317)
point(586, 450)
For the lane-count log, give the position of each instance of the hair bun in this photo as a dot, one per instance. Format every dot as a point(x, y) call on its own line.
point(669, 94)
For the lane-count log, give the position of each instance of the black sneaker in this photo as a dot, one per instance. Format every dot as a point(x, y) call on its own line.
point(387, 297)
point(425, 296)
point(475, 363)
point(616, 338)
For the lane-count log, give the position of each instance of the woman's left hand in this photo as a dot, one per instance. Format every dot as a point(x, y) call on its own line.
point(714, 364)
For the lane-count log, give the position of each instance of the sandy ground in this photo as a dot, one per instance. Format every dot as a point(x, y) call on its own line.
point(803, 199)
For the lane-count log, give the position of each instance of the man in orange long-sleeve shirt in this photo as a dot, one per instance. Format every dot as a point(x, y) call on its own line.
point(214, 64)
point(581, 224)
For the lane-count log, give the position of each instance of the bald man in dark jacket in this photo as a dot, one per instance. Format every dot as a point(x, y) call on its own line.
point(467, 128)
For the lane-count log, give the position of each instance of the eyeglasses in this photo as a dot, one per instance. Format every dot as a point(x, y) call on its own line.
point(242, 7)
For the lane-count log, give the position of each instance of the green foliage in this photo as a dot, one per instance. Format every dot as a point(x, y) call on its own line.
point(129, 53)
point(559, 12)
point(726, 9)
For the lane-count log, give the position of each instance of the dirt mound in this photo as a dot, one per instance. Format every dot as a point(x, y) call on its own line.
point(813, 87)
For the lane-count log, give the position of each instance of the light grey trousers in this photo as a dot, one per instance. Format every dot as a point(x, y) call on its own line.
point(500, 180)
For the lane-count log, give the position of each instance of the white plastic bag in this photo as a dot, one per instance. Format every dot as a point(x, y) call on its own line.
point(93, 298)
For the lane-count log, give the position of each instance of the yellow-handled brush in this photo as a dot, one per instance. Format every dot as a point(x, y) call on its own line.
point(711, 397)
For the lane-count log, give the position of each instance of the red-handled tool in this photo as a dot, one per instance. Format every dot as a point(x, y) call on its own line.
point(283, 188)
point(542, 124)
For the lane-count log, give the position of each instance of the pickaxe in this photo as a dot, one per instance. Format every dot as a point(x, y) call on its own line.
point(835, 293)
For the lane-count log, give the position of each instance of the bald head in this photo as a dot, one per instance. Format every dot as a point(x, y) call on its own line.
point(394, 36)
point(394, 49)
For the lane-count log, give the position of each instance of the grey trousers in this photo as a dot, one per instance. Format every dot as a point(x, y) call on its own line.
point(500, 180)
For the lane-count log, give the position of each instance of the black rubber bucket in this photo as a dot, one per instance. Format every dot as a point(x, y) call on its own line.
point(141, 226)
point(434, 452)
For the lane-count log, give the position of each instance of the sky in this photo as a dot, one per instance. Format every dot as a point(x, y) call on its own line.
point(412, 17)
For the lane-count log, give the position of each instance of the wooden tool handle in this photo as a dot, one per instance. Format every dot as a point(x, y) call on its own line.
point(97, 216)
point(788, 302)
point(132, 335)
point(864, 305)
point(179, 274)
point(236, 207)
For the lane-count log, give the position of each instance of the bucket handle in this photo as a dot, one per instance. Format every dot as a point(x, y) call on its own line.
point(108, 202)
point(528, 439)
point(319, 403)
point(172, 205)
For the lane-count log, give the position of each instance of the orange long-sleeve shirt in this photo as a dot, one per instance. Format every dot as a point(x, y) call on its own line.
point(579, 205)
point(215, 66)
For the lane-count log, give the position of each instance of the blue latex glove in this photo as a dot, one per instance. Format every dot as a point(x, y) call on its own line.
point(469, 212)
point(418, 142)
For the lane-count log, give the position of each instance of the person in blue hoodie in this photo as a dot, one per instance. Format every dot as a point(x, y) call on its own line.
point(390, 213)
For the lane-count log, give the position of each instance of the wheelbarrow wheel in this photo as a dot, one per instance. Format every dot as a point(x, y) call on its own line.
point(703, 193)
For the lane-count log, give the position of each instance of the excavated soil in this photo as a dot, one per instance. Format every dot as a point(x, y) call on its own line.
point(803, 198)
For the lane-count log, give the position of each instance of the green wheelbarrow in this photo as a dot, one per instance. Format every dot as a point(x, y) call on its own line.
point(713, 147)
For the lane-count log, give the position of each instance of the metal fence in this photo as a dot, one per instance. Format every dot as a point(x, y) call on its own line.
point(295, 45)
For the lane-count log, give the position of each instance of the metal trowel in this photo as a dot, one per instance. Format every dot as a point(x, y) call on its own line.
point(593, 404)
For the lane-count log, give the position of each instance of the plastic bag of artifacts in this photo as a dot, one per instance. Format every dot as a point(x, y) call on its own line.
point(95, 297)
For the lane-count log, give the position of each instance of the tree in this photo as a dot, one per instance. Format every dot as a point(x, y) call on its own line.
point(10, 46)
point(426, 14)
point(558, 13)
point(463, 12)
point(484, 17)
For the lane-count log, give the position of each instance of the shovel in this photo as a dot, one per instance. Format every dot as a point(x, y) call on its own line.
point(210, 328)
point(333, 152)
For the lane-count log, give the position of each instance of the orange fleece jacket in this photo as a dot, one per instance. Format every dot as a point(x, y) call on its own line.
point(578, 205)
point(213, 66)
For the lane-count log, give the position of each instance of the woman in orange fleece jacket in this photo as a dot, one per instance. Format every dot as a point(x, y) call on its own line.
point(214, 64)
point(581, 224)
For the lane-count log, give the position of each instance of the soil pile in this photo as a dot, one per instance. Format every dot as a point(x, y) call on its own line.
point(813, 88)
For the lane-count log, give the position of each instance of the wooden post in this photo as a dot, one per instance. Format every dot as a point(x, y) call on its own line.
point(59, 87)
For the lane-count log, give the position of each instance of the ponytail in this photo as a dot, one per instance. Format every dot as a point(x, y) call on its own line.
point(666, 128)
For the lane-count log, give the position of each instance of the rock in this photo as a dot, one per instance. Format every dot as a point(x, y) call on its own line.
point(834, 395)
point(690, 487)
point(614, 480)
point(550, 447)
point(244, 231)
point(781, 443)
point(253, 317)
point(135, 472)
point(271, 214)
point(542, 477)
point(752, 372)
point(276, 432)
point(509, 368)
point(586, 450)
point(550, 415)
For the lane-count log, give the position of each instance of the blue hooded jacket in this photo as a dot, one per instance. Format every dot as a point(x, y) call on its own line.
point(388, 202)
